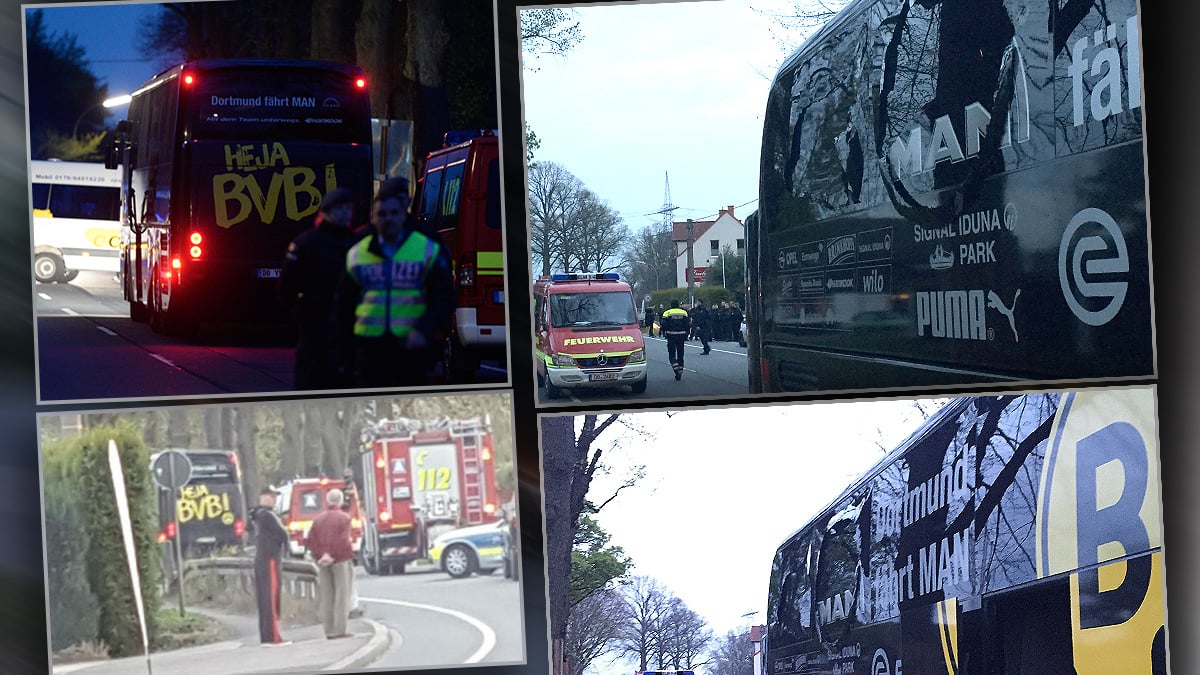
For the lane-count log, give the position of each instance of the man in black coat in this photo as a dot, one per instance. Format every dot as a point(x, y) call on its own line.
point(315, 262)
point(702, 318)
point(270, 541)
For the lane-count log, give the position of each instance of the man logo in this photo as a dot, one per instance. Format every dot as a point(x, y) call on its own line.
point(879, 663)
point(1103, 259)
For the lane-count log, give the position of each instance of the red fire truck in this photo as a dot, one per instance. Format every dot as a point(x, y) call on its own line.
point(459, 196)
point(302, 499)
point(420, 479)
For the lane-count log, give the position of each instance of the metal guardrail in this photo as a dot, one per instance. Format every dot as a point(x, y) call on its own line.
point(299, 578)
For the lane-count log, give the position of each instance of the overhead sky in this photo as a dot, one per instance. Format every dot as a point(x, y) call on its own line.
point(723, 488)
point(673, 88)
point(108, 34)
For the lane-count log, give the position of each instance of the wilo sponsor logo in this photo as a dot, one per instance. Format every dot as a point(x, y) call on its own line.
point(1100, 281)
point(952, 314)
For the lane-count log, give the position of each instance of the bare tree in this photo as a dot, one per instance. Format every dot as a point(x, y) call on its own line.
point(593, 236)
point(734, 655)
point(554, 195)
point(683, 637)
point(595, 624)
point(549, 31)
point(647, 604)
point(651, 259)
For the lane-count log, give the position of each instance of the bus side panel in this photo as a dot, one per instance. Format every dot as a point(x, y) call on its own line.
point(899, 246)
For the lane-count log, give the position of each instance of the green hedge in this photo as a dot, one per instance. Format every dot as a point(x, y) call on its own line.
point(107, 568)
point(74, 613)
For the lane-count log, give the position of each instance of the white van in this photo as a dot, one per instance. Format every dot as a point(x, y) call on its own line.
point(76, 219)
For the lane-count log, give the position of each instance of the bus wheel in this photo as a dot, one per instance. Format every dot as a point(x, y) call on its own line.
point(48, 268)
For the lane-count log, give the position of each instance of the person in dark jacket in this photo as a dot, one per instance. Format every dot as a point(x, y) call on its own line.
point(270, 540)
point(738, 318)
point(397, 293)
point(674, 327)
point(314, 264)
point(702, 318)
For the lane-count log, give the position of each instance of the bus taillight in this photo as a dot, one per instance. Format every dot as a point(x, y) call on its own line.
point(189, 79)
point(195, 252)
point(385, 517)
point(196, 238)
point(360, 83)
point(176, 264)
point(239, 527)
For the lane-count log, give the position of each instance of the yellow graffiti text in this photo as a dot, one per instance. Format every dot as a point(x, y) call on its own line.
point(295, 184)
point(197, 503)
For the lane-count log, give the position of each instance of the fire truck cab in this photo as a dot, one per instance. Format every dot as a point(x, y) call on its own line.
point(587, 333)
point(459, 196)
point(302, 499)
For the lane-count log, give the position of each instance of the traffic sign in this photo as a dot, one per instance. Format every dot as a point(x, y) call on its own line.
point(171, 469)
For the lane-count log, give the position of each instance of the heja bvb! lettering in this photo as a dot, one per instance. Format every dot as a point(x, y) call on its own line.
point(239, 193)
point(197, 503)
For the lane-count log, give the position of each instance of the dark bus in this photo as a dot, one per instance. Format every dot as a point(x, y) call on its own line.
point(954, 193)
point(223, 163)
point(209, 513)
point(1009, 534)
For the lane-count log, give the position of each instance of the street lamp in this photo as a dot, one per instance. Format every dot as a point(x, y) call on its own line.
point(107, 103)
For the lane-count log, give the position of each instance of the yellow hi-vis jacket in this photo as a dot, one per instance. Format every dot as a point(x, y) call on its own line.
point(393, 299)
point(675, 322)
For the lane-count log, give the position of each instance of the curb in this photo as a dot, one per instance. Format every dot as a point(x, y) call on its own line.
point(363, 656)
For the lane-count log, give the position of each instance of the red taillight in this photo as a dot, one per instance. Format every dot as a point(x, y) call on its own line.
point(189, 79)
point(239, 527)
point(176, 263)
point(487, 453)
point(195, 252)
point(379, 463)
point(360, 83)
point(169, 531)
point(384, 516)
point(196, 238)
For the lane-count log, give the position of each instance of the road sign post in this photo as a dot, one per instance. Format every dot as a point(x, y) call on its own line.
point(172, 470)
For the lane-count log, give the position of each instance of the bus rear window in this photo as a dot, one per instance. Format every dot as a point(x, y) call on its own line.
point(246, 103)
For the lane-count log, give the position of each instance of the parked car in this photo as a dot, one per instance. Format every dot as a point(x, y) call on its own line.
point(467, 550)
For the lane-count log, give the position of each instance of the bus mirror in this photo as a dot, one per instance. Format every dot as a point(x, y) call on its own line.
point(110, 157)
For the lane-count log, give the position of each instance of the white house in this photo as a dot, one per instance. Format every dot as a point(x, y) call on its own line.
point(710, 237)
point(757, 633)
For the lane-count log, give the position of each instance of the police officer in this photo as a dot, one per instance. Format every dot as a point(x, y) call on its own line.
point(398, 292)
point(702, 317)
point(674, 327)
point(270, 538)
point(313, 265)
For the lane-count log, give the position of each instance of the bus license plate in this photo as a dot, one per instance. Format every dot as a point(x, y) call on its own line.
point(269, 272)
point(498, 297)
point(597, 377)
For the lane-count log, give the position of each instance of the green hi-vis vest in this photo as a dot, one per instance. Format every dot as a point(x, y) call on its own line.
point(393, 298)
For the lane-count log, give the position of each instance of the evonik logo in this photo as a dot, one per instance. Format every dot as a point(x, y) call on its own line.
point(1093, 270)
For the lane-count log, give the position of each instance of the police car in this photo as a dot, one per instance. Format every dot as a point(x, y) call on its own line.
point(479, 548)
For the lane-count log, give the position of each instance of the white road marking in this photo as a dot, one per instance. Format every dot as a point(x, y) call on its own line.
point(489, 636)
point(165, 360)
point(106, 330)
point(44, 296)
point(70, 311)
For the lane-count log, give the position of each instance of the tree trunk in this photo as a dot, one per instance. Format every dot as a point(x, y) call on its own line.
point(247, 450)
point(374, 43)
point(179, 435)
point(559, 458)
point(426, 39)
point(314, 442)
point(333, 439)
point(291, 452)
point(330, 32)
point(212, 429)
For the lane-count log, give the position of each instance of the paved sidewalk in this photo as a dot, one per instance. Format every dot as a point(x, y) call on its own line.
point(309, 651)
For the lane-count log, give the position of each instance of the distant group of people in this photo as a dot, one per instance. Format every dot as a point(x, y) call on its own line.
point(721, 323)
point(329, 542)
point(680, 324)
point(372, 305)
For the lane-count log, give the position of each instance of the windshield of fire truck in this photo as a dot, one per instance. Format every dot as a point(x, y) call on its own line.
point(592, 309)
